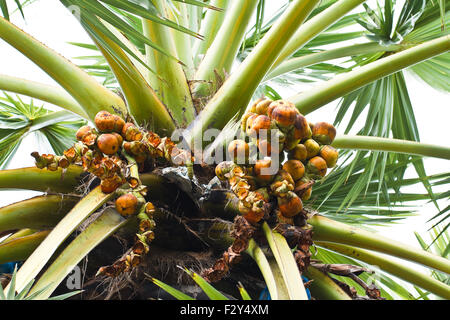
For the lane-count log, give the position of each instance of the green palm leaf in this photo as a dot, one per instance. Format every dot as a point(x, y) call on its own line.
point(5, 10)
point(19, 119)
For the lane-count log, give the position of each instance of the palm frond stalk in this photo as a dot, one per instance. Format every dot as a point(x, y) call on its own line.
point(346, 83)
point(47, 93)
point(409, 274)
point(86, 91)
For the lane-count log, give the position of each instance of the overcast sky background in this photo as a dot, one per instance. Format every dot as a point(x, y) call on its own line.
point(53, 25)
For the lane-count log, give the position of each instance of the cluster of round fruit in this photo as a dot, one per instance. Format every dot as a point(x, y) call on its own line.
point(289, 181)
point(105, 150)
point(115, 151)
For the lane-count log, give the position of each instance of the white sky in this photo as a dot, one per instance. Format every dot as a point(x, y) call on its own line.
point(53, 25)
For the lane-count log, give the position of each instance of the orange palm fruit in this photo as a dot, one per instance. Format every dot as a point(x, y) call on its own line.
point(82, 132)
point(104, 121)
point(267, 148)
point(118, 124)
point(330, 155)
point(253, 207)
point(127, 147)
point(317, 165)
point(262, 106)
point(312, 148)
point(259, 168)
point(239, 151)
point(247, 126)
point(284, 113)
point(291, 205)
point(253, 216)
point(261, 122)
point(301, 128)
point(244, 120)
point(127, 204)
point(323, 132)
point(295, 168)
point(109, 185)
point(303, 189)
point(130, 132)
point(270, 108)
point(119, 137)
point(254, 104)
point(108, 143)
point(277, 103)
point(63, 162)
point(298, 153)
point(282, 184)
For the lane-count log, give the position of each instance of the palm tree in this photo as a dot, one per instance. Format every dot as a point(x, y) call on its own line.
point(167, 65)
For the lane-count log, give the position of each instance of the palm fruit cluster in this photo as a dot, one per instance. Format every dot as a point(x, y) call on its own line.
point(105, 151)
point(304, 147)
point(110, 152)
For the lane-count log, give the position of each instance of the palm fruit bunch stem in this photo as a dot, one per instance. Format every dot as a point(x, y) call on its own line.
point(116, 151)
point(127, 204)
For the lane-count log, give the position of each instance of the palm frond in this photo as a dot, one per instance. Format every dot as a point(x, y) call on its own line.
point(351, 195)
point(6, 11)
point(125, 16)
point(390, 113)
point(19, 119)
